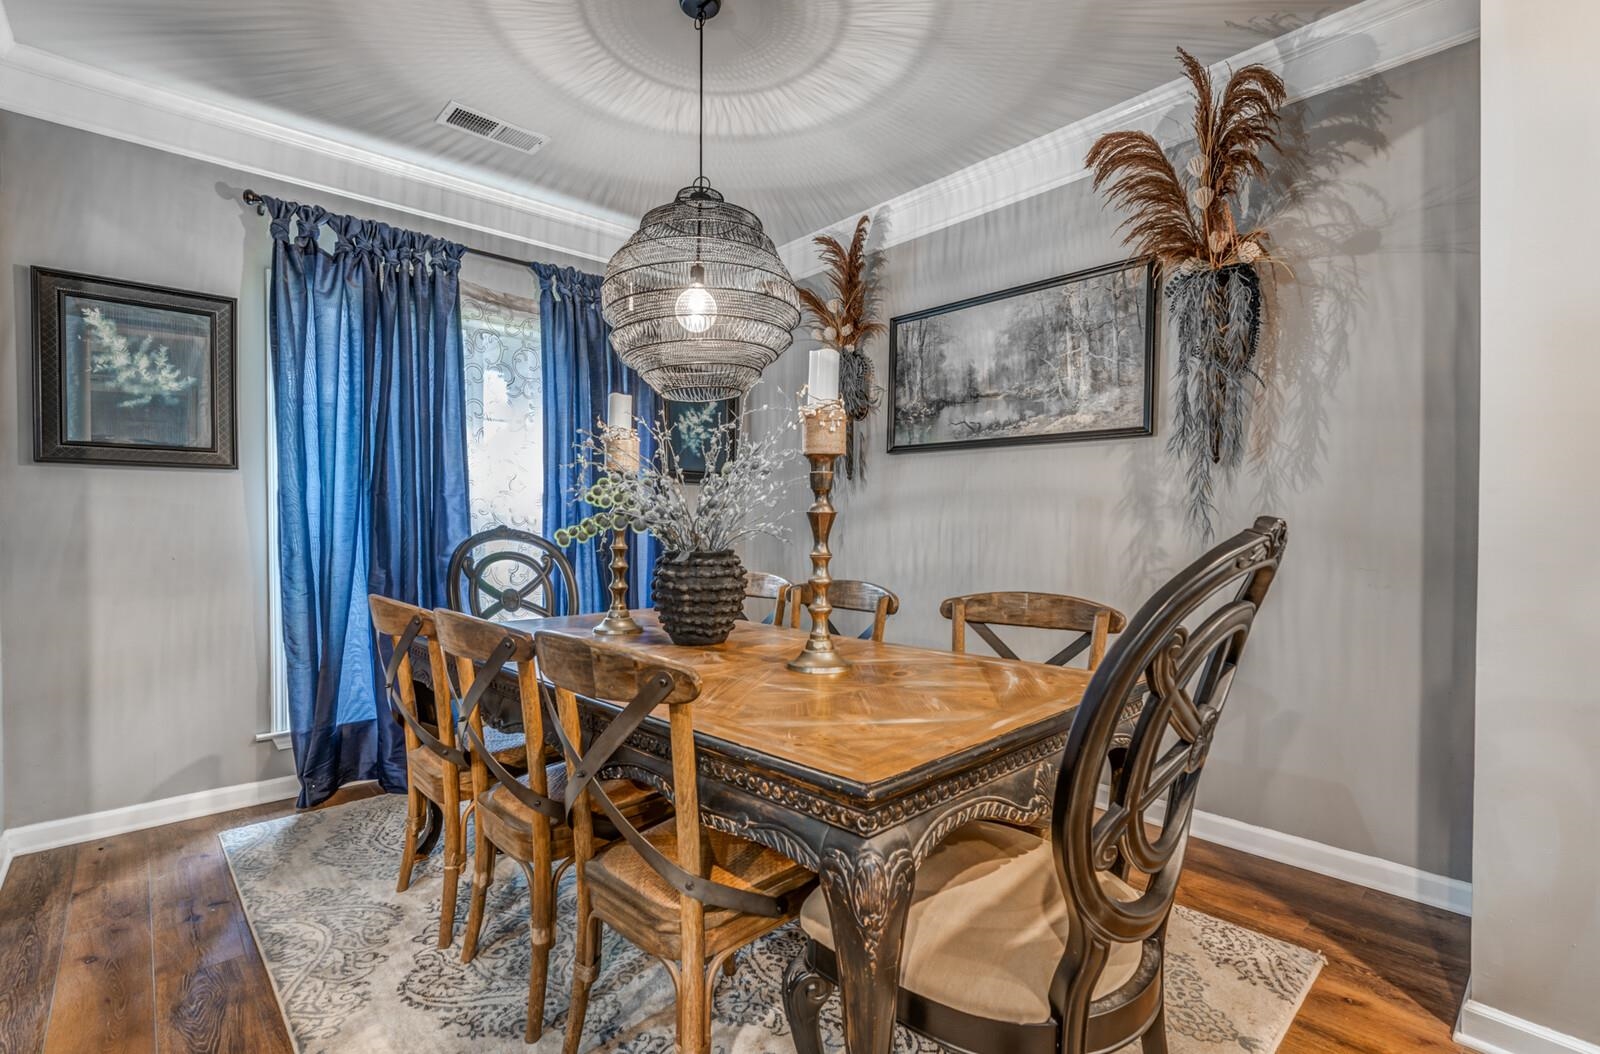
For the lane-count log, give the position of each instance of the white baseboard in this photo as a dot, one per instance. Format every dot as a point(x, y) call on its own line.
point(37, 837)
point(1373, 872)
point(1492, 1031)
point(5, 856)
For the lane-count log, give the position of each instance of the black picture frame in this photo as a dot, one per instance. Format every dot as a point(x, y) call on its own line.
point(724, 411)
point(1148, 318)
point(215, 316)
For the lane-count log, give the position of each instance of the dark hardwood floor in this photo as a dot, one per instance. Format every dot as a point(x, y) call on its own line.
point(138, 943)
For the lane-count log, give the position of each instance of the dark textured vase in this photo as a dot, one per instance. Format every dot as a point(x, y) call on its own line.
point(699, 596)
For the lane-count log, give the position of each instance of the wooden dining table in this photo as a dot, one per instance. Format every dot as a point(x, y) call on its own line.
point(857, 776)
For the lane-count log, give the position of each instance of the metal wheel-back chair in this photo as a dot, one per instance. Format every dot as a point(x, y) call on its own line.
point(1020, 945)
point(506, 573)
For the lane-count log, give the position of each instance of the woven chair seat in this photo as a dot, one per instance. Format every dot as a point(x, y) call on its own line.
point(630, 888)
point(509, 823)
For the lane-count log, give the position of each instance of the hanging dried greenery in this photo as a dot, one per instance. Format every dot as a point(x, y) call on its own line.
point(845, 321)
point(1191, 228)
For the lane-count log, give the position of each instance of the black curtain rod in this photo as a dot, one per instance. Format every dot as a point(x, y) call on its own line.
point(252, 198)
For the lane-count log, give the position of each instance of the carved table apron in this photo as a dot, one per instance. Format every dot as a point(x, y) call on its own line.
point(857, 776)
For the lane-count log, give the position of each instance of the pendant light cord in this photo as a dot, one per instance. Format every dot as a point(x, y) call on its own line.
point(700, 30)
point(700, 180)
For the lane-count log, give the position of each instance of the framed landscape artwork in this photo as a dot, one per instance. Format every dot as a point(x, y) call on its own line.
point(691, 426)
point(1066, 358)
point(128, 374)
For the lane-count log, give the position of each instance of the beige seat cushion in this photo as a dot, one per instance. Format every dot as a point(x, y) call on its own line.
point(988, 926)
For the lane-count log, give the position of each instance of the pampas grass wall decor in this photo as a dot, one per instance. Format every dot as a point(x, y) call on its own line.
point(1213, 289)
point(845, 321)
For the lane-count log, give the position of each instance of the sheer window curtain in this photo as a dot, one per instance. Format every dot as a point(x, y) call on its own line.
point(367, 369)
point(504, 408)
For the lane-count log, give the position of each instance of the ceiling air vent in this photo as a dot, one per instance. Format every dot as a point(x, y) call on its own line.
point(483, 126)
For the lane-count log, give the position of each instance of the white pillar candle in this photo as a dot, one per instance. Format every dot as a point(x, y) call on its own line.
point(619, 411)
point(823, 382)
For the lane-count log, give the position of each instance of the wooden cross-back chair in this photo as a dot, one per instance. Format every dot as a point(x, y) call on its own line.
point(763, 585)
point(849, 594)
point(524, 819)
point(980, 612)
point(1020, 945)
point(437, 768)
point(506, 573)
point(686, 894)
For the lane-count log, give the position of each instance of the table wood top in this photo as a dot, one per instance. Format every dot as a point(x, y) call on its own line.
point(898, 710)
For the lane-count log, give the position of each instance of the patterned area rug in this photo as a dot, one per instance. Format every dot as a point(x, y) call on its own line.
point(355, 967)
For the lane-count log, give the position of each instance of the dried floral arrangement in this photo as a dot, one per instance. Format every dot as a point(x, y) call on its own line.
point(845, 321)
point(1191, 229)
point(730, 503)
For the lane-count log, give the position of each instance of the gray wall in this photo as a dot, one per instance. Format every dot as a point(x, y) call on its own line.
point(1536, 910)
point(133, 601)
point(1352, 723)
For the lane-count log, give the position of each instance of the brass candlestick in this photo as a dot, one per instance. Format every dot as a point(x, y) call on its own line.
point(822, 436)
point(622, 455)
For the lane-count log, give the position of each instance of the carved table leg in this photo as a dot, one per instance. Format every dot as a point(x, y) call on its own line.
point(868, 887)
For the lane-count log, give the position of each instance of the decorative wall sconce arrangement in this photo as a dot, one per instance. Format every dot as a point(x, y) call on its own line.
point(1213, 289)
point(843, 320)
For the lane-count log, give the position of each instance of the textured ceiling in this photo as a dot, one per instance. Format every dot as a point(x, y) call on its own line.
point(815, 108)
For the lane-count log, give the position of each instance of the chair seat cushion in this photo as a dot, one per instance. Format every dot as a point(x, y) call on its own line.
point(988, 926)
point(621, 876)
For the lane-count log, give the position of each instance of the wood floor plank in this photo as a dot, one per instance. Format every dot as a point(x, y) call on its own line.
point(212, 993)
point(1396, 970)
point(104, 999)
point(33, 915)
point(104, 993)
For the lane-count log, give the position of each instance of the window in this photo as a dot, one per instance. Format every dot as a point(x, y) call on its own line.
point(505, 398)
point(278, 728)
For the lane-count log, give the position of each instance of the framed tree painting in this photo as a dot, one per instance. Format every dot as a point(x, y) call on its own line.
point(691, 428)
point(1066, 358)
point(129, 374)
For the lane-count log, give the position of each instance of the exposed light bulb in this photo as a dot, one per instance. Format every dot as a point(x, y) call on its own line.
point(696, 308)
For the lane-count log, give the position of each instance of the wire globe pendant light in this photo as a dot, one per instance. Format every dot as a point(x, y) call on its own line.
point(698, 301)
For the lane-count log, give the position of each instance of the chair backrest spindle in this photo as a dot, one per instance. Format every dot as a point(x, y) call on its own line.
point(763, 585)
point(396, 626)
point(1168, 675)
point(611, 674)
point(479, 650)
point(980, 612)
point(851, 594)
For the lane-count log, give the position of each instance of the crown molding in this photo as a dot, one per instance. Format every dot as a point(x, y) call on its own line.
point(41, 84)
point(1359, 41)
point(1356, 42)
